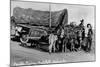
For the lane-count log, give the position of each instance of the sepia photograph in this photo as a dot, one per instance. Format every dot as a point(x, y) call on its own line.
point(51, 33)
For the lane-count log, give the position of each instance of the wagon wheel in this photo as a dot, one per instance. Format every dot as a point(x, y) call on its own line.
point(24, 39)
point(33, 44)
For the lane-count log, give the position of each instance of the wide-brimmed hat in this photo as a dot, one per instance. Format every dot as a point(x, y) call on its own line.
point(82, 20)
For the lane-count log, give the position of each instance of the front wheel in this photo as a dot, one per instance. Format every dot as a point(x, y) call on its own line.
point(24, 39)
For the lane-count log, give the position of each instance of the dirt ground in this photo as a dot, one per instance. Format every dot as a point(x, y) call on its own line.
point(31, 56)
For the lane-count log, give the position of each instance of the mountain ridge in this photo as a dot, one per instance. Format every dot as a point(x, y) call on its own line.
point(37, 17)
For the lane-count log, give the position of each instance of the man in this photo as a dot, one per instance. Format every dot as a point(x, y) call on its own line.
point(82, 28)
point(82, 23)
point(88, 35)
point(62, 39)
point(52, 41)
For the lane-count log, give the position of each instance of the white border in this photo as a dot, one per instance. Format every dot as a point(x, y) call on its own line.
point(5, 30)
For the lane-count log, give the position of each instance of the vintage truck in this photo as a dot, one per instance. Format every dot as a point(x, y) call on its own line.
point(37, 36)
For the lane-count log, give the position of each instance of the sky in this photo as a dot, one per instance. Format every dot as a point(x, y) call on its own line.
point(75, 12)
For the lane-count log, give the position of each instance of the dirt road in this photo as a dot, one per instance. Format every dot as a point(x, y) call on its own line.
point(26, 56)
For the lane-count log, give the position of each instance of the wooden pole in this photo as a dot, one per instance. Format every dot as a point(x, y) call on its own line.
point(50, 15)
